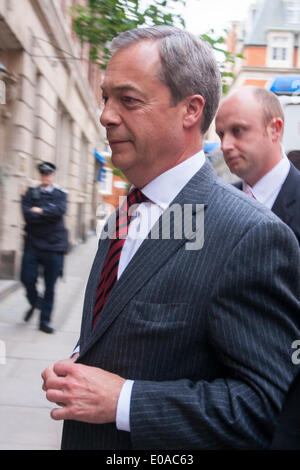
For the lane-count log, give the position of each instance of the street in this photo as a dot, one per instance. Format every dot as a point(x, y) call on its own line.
point(25, 422)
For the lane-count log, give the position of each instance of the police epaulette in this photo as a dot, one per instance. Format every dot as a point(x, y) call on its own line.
point(61, 189)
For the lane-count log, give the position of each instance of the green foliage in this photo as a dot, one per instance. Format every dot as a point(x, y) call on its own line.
point(100, 21)
point(223, 57)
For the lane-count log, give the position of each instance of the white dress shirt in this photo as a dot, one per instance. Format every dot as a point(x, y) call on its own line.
point(267, 188)
point(47, 189)
point(161, 192)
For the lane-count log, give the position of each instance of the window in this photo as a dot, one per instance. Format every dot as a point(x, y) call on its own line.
point(279, 53)
point(37, 103)
point(280, 50)
point(83, 162)
point(64, 140)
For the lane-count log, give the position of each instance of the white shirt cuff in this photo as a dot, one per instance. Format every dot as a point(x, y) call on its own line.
point(76, 350)
point(123, 408)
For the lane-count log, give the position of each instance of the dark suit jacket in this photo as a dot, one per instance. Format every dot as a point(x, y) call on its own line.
point(287, 434)
point(287, 203)
point(206, 334)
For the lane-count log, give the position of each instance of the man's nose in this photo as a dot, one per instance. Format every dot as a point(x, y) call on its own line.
point(227, 143)
point(110, 115)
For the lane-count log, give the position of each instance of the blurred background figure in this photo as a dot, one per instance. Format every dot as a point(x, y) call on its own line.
point(250, 126)
point(46, 242)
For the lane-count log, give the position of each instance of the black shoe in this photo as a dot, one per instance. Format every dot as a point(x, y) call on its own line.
point(28, 314)
point(46, 328)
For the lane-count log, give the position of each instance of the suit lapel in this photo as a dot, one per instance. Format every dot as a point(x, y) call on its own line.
point(91, 289)
point(283, 206)
point(153, 253)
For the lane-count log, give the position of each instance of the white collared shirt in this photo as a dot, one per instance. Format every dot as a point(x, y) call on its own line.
point(172, 181)
point(47, 189)
point(267, 188)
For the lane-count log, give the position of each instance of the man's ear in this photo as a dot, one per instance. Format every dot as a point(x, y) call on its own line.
point(276, 129)
point(193, 110)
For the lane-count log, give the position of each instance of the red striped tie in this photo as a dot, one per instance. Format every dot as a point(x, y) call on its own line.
point(109, 272)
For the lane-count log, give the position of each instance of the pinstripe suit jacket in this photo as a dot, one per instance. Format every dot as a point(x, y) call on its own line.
point(205, 334)
point(287, 204)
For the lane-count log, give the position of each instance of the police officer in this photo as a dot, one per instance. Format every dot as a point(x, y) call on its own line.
point(46, 241)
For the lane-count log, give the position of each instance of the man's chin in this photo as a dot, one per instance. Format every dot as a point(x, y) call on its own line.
point(235, 166)
point(120, 162)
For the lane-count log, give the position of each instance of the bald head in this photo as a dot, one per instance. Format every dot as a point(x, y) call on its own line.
point(250, 125)
point(270, 104)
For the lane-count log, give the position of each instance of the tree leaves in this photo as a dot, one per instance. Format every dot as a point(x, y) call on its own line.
point(100, 21)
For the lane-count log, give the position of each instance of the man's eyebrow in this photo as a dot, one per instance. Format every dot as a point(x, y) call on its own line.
point(122, 88)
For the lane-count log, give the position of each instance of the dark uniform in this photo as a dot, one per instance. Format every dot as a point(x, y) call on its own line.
point(46, 241)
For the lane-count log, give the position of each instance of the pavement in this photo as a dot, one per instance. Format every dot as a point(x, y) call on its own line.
point(25, 422)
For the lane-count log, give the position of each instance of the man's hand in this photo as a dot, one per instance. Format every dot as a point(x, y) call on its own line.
point(85, 393)
point(49, 372)
point(36, 210)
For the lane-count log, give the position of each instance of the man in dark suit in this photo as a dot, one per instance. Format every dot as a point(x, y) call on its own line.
point(186, 333)
point(45, 242)
point(250, 125)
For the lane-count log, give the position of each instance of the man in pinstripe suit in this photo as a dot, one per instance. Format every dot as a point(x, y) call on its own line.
point(192, 347)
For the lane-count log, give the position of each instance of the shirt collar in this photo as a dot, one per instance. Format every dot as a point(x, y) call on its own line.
point(165, 187)
point(270, 182)
point(47, 189)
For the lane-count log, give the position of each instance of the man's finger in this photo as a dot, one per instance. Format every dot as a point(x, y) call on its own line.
point(56, 396)
point(57, 414)
point(46, 374)
point(54, 382)
point(63, 368)
point(61, 413)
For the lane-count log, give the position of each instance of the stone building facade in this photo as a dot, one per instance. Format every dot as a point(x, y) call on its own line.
point(50, 112)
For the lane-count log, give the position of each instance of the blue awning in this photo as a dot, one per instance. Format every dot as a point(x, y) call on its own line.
point(210, 146)
point(285, 84)
point(103, 162)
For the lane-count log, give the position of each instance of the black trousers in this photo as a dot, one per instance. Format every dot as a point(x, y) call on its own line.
point(51, 264)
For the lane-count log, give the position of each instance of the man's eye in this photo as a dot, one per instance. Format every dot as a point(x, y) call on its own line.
point(104, 99)
point(236, 130)
point(129, 100)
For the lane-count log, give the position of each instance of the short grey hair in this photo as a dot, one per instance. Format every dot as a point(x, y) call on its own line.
point(188, 66)
point(270, 104)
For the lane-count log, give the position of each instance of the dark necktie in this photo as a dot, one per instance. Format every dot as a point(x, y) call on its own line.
point(109, 272)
